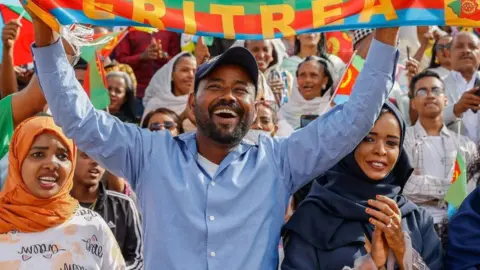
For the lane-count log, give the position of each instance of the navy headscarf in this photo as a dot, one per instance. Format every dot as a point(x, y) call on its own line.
point(463, 250)
point(333, 215)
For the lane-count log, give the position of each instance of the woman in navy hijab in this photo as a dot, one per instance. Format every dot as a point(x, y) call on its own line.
point(463, 249)
point(354, 213)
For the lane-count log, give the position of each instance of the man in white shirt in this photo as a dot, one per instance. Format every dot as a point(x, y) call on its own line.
point(461, 113)
point(432, 148)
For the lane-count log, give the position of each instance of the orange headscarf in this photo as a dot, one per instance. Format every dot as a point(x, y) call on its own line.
point(20, 210)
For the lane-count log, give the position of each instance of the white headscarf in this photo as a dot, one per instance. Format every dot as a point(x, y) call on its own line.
point(298, 106)
point(159, 91)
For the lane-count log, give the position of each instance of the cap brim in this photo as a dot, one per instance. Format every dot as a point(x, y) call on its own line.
point(234, 56)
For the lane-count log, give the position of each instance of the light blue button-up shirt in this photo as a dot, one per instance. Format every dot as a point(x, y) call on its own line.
point(229, 221)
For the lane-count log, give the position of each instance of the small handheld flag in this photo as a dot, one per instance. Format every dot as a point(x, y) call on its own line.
point(345, 87)
point(458, 190)
point(94, 83)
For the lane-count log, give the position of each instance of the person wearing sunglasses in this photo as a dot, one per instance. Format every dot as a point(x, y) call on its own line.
point(163, 119)
point(440, 62)
point(432, 149)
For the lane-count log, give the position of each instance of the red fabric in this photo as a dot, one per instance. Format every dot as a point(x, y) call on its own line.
point(135, 43)
point(21, 49)
point(470, 10)
point(340, 44)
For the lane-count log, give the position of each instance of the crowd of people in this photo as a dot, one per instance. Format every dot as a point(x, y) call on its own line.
point(233, 156)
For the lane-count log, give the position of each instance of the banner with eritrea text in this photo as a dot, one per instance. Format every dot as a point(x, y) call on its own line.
point(254, 19)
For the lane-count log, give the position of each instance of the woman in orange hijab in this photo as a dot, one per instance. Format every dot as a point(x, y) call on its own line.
point(41, 225)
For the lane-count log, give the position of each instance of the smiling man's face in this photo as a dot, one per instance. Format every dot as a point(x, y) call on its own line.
point(224, 104)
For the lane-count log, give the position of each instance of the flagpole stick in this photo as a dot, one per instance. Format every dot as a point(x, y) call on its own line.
point(340, 82)
point(19, 19)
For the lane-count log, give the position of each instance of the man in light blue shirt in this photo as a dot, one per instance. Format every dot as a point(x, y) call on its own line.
point(210, 200)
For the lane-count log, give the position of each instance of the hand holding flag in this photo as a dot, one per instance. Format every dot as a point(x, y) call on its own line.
point(201, 52)
point(10, 33)
point(412, 67)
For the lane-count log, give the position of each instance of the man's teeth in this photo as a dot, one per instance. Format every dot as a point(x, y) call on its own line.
point(227, 111)
point(48, 179)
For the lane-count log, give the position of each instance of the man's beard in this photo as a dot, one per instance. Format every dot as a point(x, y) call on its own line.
point(207, 126)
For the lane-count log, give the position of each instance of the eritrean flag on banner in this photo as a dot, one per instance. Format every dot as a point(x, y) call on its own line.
point(253, 19)
point(344, 88)
point(458, 190)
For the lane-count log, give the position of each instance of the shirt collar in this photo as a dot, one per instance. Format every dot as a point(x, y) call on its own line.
point(190, 142)
point(457, 76)
point(420, 131)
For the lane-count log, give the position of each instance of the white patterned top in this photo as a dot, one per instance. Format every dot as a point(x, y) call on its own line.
point(83, 242)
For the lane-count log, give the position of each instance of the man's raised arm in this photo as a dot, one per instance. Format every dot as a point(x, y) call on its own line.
point(309, 152)
point(122, 149)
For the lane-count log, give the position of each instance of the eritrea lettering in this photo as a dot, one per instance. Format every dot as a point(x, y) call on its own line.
point(47, 251)
point(257, 19)
point(92, 246)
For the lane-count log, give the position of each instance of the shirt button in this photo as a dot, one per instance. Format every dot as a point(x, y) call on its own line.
point(212, 183)
point(212, 218)
point(212, 254)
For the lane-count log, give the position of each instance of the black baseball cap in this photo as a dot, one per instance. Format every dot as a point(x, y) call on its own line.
point(233, 56)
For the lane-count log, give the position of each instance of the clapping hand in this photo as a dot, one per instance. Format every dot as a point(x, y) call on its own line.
point(154, 51)
point(378, 249)
point(387, 218)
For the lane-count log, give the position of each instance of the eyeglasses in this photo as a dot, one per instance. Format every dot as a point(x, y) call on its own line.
point(443, 46)
point(165, 125)
point(423, 92)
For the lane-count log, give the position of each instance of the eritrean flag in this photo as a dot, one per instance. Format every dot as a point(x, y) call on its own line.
point(95, 81)
point(339, 43)
point(345, 86)
point(112, 40)
point(458, 190)
point(467, 9)
point(21, 49)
